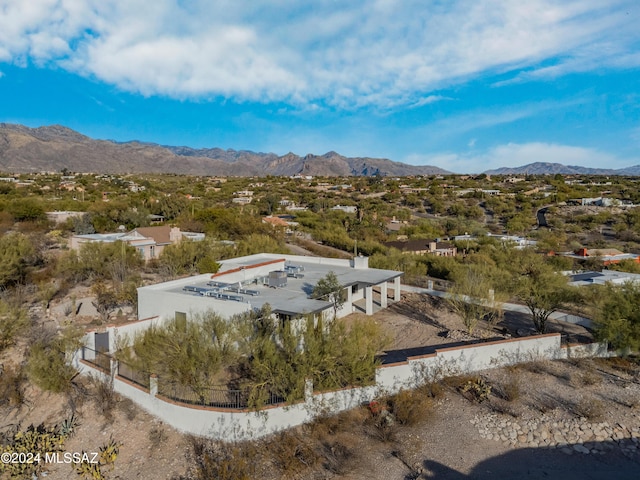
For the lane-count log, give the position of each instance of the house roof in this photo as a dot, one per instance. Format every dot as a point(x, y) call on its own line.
point(417, 245)
point(275, 221)
point(160, 234)
point(603, 252)
point(296, 296)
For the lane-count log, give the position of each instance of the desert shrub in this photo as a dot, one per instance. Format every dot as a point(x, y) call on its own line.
point(434, 390)
point(104, 396)
point(106, 460)
point(35, 440)
point(628, 365)
point(48, 368)
point(12, 386)
point(588, 377)
point(589, 408)
point(503, 407)
point(157, 436)
point(337, 458)
point(129, 408)
point(327, 424)
point(537, 366)
point(545, 403)
point(476, 389)
point(509, 390)
point(13, 321)
point(291, 453)
point(381, 424)
point(456, 382)
point(410, 407)
point(221, 461)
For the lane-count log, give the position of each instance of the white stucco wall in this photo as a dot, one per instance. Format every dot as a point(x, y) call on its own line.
point(239, 425)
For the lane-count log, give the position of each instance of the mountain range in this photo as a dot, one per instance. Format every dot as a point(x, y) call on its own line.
point(53, 148)
point(543, 168)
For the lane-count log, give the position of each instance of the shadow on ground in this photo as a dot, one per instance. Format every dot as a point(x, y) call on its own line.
point(544, 463)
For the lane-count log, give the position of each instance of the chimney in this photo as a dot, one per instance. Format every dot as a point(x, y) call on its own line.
point(360, 262)
point(175, 235)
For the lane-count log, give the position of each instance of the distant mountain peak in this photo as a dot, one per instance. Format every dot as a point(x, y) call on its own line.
point(546, 168)
point(56, 147)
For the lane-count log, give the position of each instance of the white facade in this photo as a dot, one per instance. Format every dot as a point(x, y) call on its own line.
point(242, 284)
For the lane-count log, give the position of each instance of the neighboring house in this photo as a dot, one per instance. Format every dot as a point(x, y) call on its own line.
point(279, 222)
point(242, 200)
point(601, 278)
point(599, 201)
point(155, 218)
point(510, 240)
point(346, 208)
point(61, 217)
point(607, 255)
point(285, 282)
point(149, 241)
point(424, 247)
point(243, 193)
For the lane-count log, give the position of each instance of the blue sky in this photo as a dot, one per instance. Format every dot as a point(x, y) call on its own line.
point(466, 85)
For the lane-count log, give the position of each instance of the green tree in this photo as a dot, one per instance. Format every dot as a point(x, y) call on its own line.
point(13, 321)
point(541, 289)
point(330, 289)
point(188, 354)
point(189, 257)
point(473, 296)
point(617, 316)
point(17, 253)
point(48, 363)
point(26, 209)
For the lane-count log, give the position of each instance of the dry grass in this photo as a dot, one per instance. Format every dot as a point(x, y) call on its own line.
point(589, 408)
point(104, 396)
point(220, 461)
point(337, 458)
point(292, 453)
point(12, 381)
point(157, 436)
point(410, 407)
point(509, 390)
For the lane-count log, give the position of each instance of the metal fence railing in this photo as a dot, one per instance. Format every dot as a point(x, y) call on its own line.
point(133, 375)
point(220, 397)
point(99, 359)
point(213, 396)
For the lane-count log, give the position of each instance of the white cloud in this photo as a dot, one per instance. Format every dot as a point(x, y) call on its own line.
point(428, 100)
point(343, 54)
point(518, 154)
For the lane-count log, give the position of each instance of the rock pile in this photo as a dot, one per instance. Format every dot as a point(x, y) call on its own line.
point(571, 435)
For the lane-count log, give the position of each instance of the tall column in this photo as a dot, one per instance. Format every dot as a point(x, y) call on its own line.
point(153, 385)
point(349, 301)
point(368, 300)
point(383, 295)
point(396, 289)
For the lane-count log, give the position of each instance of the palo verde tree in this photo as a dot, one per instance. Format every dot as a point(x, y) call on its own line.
point(473, 296)
point(17, 254)
point(540, 288)
point(330, 289)
point(617, 316)
point(280, 356)
point(184, 353)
